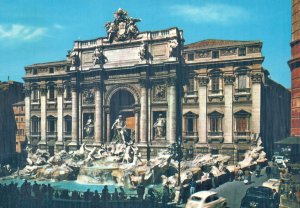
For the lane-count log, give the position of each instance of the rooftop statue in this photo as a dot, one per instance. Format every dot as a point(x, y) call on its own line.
point(122, 28)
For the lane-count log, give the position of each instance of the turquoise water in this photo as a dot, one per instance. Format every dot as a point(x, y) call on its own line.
point(69, 185)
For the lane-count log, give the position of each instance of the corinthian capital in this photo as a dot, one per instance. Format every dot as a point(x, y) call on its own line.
point(256, 77)
point(229, 79)
point(203, 80)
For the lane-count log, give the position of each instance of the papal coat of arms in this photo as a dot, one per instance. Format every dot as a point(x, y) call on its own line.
point(122, 28)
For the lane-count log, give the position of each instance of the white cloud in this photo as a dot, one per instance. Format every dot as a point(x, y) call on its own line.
point(58, 26)
point(21, 32)
point(211, 13)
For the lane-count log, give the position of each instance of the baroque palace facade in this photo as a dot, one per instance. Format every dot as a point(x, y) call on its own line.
point(149, 87)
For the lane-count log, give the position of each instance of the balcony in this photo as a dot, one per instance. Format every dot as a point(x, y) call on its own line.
point(35, 134)
point(67, 134)
point(191, 95)
point(51, 134)
point(35, 101)
point(242, 92)
point(68, 99)
point(215, 94)
point(243, 137)
point(190, 136)
point(215, 136)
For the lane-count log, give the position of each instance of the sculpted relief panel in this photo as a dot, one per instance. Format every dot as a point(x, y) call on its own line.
point(160, 92)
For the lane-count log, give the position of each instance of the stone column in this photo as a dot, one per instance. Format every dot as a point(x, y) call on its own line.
point(256, 102)
point(98, 113)
point(74, 141)
point(202, 98)
point(136, 124)
point(60, 92)
point(108, 127)
point(144, 112)
point(228, 111)
point(43, 91)
point(27, 112)
point(172, 111)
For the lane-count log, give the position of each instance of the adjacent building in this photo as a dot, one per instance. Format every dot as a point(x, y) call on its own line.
point(210, 93)
point(10, 93)
point(19, 112)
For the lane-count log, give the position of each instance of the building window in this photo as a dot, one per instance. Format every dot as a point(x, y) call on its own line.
point(51, 124)
point(190, 87)
point(242, 122)
point(242, 51)
point(215, 123)
point(242, 81)
point(34, 71)
point(35, 124)
point(68, 124)
point(35, 94)
point(216, 54)
point(68, 92)
point(214, 151)
point(51, 70)
point(215, 84)
point(190, 120)
point(51, 92)
point(190, 57)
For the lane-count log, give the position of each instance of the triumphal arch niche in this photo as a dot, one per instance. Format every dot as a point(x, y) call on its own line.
point(124, 87)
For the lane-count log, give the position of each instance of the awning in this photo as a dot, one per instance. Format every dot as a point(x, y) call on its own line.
point(289, 140)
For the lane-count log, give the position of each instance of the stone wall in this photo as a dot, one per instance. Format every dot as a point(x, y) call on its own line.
point(276, 107)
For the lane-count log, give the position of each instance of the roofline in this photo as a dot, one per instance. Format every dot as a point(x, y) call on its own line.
point(52, 63)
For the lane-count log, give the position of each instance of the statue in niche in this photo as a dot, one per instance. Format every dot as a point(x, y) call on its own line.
point(89, 127)
point(160, 127)
point(99, 57)
point(88, 96)
point(173, 48)
point(120, 132)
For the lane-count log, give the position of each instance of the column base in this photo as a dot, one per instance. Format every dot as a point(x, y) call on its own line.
point(97, 144)
point(73, 146)
point(59, 146)
point(42, 145)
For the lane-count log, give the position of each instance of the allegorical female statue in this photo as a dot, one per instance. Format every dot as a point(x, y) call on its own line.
point(160, 127)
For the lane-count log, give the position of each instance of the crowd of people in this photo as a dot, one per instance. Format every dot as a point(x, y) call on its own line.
point(31, 193)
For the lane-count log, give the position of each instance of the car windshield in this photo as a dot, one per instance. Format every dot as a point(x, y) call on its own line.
point(196, 198)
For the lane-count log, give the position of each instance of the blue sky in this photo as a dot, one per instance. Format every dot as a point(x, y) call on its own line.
point(35, 31)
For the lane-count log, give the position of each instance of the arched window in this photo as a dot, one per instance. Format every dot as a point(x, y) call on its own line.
point(51, 124)
point(35, 125)
point(215, 123)
point(242, 123)
point(68, 125)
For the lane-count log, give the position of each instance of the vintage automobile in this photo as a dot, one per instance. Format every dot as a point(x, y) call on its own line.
point(207, 199)
point(259, 197)
point(272, 184)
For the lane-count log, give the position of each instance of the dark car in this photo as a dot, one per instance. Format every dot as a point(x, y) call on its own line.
point(259, 197)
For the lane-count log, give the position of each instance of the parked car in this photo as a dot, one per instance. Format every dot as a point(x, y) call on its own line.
point(280, 159)
point(259, 197)
point(272, 184)
point(207, 199)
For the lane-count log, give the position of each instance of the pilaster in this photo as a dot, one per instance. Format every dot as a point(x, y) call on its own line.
point(60, 91)
point(202, 94)
point(98, 112)
point(256, 101)
point(144, 111)
point(172, 111)
point(228, 110)
point(74, 142)
point(43, 91)
point(27, 92)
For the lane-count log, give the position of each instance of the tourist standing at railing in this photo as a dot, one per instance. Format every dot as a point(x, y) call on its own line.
point(115, 195)
point(95, 200)
point(122, 193)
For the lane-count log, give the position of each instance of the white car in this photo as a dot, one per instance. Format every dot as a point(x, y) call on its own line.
point(272, 184)
point(206, 199)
